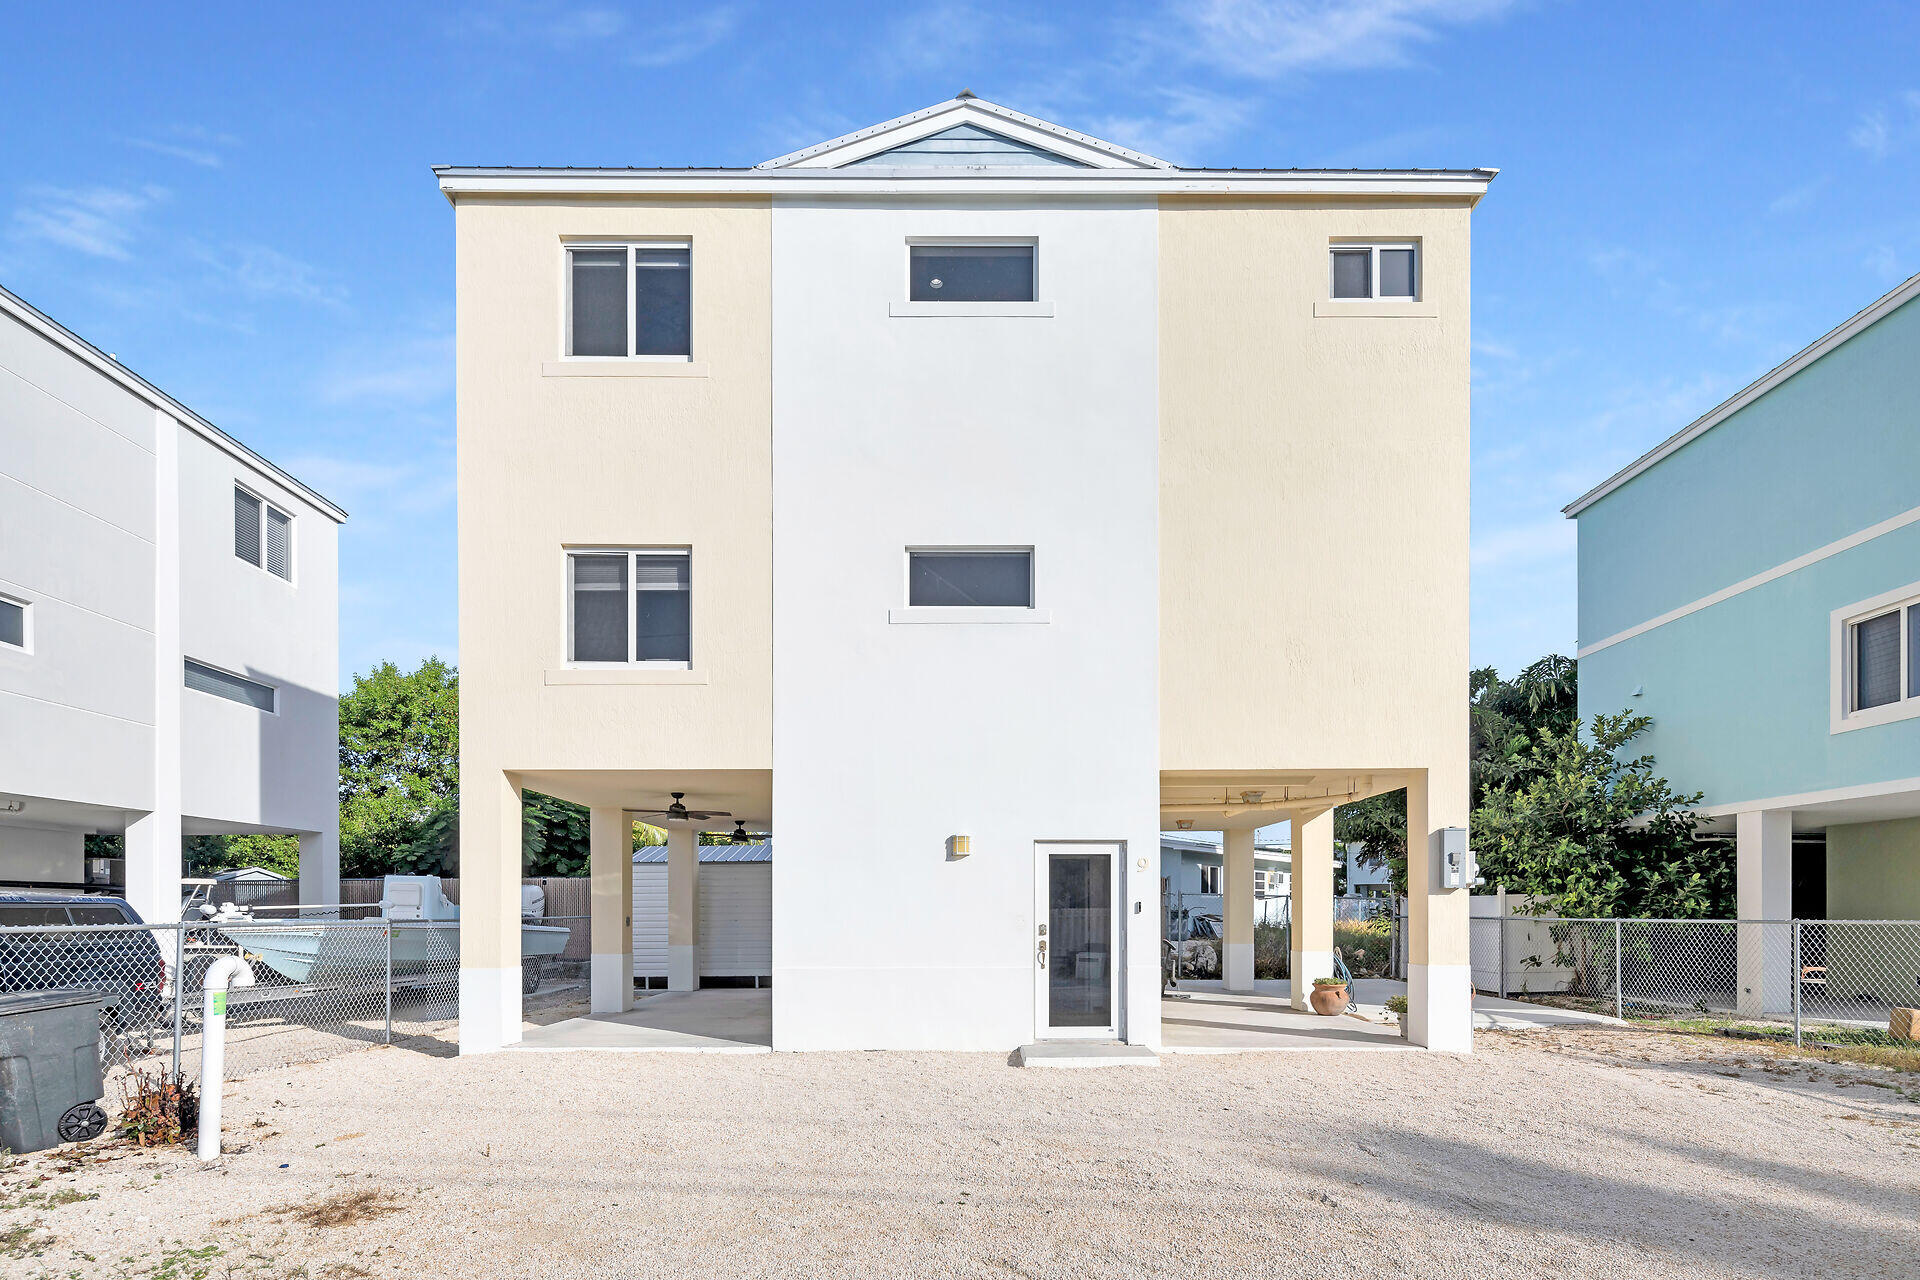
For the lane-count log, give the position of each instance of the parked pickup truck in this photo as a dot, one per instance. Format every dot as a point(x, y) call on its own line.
point(125, 964)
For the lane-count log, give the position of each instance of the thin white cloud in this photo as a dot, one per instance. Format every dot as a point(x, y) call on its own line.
point(676, 42)
point(98, 221)
point(262, 272)
point(410, 371)
point(1550, 539)
point(194, 144)
point(1186, 122)
point(1884, 130)
point(565, 28)
point(1263, 39)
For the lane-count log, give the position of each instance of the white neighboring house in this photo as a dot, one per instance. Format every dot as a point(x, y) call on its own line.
point(1192, 866)
point(1364, 879)
point(169, 630)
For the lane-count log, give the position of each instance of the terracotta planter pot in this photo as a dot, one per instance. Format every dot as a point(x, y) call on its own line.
point(1327, 1001)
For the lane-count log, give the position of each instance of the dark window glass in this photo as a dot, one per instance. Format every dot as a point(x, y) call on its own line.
point(224, 684)
point(1353, 273)
point(600, 608)
point(246, 526)
point(13, 624)
point(972, 273)
point(33, 915)
point(599, 302)
point(1396, 273)
point(97, 915)
point(1876, 661)
point(662, 630)
point(1080, 911)
point(662, 302)
point(1913, 651)
point(988, 578)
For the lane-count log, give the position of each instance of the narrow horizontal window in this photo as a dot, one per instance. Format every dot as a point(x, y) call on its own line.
point(13, 623)
point(1363, 271)
point(224, 684)
point(630, 607)
point(967, 578)
point(971, 273)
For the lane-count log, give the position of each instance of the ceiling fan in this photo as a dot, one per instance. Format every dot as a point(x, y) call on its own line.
point(678, 812)
point(740, 835)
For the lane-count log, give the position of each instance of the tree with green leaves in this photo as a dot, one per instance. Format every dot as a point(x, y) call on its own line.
point(1597, 833)
point(399, 768)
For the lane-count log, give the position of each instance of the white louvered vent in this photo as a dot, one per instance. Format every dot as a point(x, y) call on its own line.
point(224, 684)
point(280, 544)
point(246, 526)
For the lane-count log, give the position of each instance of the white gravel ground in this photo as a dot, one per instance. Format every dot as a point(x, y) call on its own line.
point(1550, 1153)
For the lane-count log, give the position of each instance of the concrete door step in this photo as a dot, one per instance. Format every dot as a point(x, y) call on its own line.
point(1075, 1053)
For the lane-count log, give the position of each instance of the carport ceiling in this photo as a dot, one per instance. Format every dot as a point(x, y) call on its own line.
point(744, 793)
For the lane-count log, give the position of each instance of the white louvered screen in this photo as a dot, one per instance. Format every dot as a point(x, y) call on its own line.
point(246, 526)
point(279, 544)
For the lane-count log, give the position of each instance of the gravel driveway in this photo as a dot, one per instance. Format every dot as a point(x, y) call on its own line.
point(1560, 1152)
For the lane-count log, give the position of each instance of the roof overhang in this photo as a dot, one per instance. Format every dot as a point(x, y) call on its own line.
point(962, 110)
point(78, 347)
point(882, 181)
point(1874, 312)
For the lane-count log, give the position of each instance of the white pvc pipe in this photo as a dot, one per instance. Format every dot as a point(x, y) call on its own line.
point(213, 1045)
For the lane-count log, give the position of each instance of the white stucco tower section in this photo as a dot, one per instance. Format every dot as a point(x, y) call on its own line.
point(893, 431)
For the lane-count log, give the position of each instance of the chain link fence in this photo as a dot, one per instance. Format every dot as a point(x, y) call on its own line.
point(1775, 977)
point(1364, 929)
point(322, 986)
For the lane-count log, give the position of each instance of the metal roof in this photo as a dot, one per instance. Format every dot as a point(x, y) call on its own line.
point(34, 318)
point(760, 851)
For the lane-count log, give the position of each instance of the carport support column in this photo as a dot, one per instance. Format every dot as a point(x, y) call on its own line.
point(320, 868)
point(1310, 949)
point(683, 908)
point(1236, 908)
point(1439, 969)
point(1764, 891)
point(610, 839)
point(489, 909)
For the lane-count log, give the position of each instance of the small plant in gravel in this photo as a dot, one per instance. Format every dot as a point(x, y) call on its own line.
point(26, 1240)
point(158, 1109)
point(1397, 1006)
point(342, 1209)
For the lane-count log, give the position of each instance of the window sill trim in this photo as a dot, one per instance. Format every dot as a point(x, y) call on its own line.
point(622, 369)
point(1377, 310)
point(1893, 712)
point(1040, 310)
point(964, 615)
point(623, 675)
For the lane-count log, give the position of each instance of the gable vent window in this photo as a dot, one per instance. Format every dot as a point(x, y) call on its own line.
point(971, 273)
point(262, 534)
point(224, 684)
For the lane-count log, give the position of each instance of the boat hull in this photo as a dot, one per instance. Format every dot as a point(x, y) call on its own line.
point(306, 953)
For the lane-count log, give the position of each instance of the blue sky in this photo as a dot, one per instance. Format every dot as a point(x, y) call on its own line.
point(238, 203)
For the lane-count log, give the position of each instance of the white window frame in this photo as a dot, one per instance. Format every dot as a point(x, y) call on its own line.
point(1373, 248)
point(969, 613)
point(293, 535)
point(631, 663)
point(1215, 872)
point(26, 625)
point(905, 305)
point(273, 689)
point(567, 247)
point(1842, 623)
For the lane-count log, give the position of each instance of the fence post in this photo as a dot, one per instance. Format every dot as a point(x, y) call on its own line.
point(179, 989)
point(1500, 923)
point(1619, 996)
point(1797, 972)
point(386, 931)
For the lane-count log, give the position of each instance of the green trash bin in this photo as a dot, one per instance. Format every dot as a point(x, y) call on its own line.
point(49, 1069)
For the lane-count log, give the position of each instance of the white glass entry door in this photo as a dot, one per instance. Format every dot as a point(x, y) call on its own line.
point(1076, 942)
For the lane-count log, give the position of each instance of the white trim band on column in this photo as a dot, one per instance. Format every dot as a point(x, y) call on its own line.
point(1440, 1007)
point(1306, 966)
point(610, 982)
point(489, 1009)
point(1236, 967)
point(682, 971)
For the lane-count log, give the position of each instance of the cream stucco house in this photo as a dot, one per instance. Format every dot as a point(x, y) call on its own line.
point(965, 500)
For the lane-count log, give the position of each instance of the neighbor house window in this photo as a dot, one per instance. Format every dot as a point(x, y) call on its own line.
point(970, 273)
point(1885, 657)
point(15, 628)
point(630, 607)
point(962, 577)
point(225, 684)
point(1209, 879)
point(1360, 271)
point(262, 534)
point(630, 300)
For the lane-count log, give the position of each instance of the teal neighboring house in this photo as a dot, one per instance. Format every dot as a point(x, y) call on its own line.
point(1753, 585)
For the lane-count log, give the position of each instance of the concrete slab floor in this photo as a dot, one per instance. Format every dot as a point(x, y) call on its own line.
point(712, 1020)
